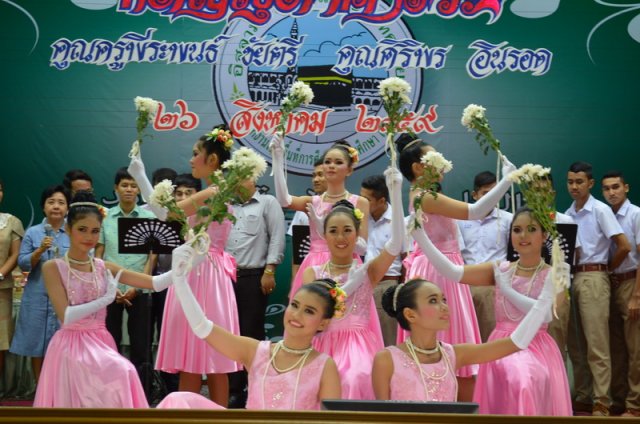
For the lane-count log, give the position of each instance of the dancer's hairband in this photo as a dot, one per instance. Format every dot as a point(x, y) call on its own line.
point(417, 140)
point(395, 297)
point(95, 205)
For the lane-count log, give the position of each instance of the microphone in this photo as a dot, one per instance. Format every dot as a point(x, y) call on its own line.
point(48, 229)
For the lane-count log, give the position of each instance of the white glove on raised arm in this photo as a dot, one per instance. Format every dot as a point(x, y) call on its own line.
point(393, 179)
point(277, 165)
point(522, 302)
point(361, 246)
point(482, 207)
point(357, 275)
point(444, 266)
point(530, 324)
point(137, 171)
point(75, 313)
point(181, 262)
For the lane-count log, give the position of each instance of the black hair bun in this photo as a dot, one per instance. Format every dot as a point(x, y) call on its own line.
point(387, 301)
point(83, 196)
point(344, 204)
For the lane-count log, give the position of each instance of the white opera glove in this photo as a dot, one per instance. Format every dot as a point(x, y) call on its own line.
point(522, 302)
point(361, 247)
point(316, 220)
point(75, 313)
point(444, 266)
point(482, 207)
point(162, 281)
point(198, 322)
point(393, 178)
point(531, 323)
point(137, 171)
point(277, 167)
point(357, 275)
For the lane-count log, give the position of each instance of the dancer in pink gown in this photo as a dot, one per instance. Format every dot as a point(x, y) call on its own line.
point(349, 339)
point(440, 213)
point(338, 162)
point(212, 282)
point(287, 375)
point(83, 368)
point(424, 368)
point(532, 381)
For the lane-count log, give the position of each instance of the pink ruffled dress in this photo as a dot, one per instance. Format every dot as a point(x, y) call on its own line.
point(82, 367)
point(353, 340)
point(436, 383)
point(532, 381)
point(212, 285)
point(318, 251)
point(297, 389)
point(464, 324)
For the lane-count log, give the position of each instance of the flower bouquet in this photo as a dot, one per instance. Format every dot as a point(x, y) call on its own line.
point(147, 109)
point(435, 166)
point(299, 94)
point(394, 92)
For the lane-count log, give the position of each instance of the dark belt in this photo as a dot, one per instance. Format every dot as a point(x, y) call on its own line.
point(592, 268)
point(625, 276)
point(391, 278)
point(248, 272)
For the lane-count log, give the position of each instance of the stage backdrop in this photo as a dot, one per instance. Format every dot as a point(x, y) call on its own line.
point(559, 79)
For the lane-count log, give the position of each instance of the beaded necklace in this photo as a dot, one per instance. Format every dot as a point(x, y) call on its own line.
point(535, 270)
point(298, 364)
point(448, 368)
point(77, 274)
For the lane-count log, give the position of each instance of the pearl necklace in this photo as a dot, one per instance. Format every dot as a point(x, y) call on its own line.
point(535, 270)
point(412, 352)
point(80, 277)
point(340, 266)
point(326, 195)
point(423, 351)
point(299, 363)
point(529, 268)
point(294, 351)
point(75, 261)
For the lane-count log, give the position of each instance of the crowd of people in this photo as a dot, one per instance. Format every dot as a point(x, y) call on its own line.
point(375, 311)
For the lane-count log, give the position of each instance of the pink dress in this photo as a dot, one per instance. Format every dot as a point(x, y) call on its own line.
point(351, 342)
point(297, 389)
point(464, 324)
point(318, 251)
point(82, 367)
point(529, 382)
point(436, 384)
point(212, 285)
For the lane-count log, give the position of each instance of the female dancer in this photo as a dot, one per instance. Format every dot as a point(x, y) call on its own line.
point(423, 368)
point(82, 367)
point(11, 232)
point(533, 381)
point(338, 162)
point(288, 374)
point(440, 213)
point(48, 240)
point(179, 350)
point(349, 340)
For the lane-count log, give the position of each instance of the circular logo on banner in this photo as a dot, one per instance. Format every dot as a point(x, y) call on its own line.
point(260, 63)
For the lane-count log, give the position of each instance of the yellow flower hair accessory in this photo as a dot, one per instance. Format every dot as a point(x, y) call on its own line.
point(340, 296)
point(358, 214)
point(353, 154)
point(223, 136)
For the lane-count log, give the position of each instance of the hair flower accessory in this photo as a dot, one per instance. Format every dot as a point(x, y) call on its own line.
point(340, 296)
point(358, 214)
point(353, 154)
point(221, 135)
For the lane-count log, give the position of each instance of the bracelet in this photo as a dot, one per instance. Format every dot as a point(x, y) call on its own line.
point(269, 271)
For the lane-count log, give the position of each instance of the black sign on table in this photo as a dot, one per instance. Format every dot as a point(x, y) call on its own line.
point(144, 235)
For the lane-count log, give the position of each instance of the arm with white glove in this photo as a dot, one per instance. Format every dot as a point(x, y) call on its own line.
point(482, 207)
point(357, 275)
point(277, 166)
point(73, 313)
point(522, 302)
point(182, 260)
point(531, 323)
point(444, 266)
point(393, 178)
point(137, 170)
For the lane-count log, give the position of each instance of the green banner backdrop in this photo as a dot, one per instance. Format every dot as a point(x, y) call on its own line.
point(559, 79)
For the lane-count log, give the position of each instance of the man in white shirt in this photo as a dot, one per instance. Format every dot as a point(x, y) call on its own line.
point(301, 218)
point(485, 240)
point(624, 322)
point(374, 189)
point(589, 325)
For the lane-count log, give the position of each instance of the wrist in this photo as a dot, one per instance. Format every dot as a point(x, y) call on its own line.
point(269, 271)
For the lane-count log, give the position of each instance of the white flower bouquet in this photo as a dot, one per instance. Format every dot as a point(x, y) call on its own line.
point(473, 118)
point(147, 109)
point(299, 94)
point(395, 94)
point(435, 166)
